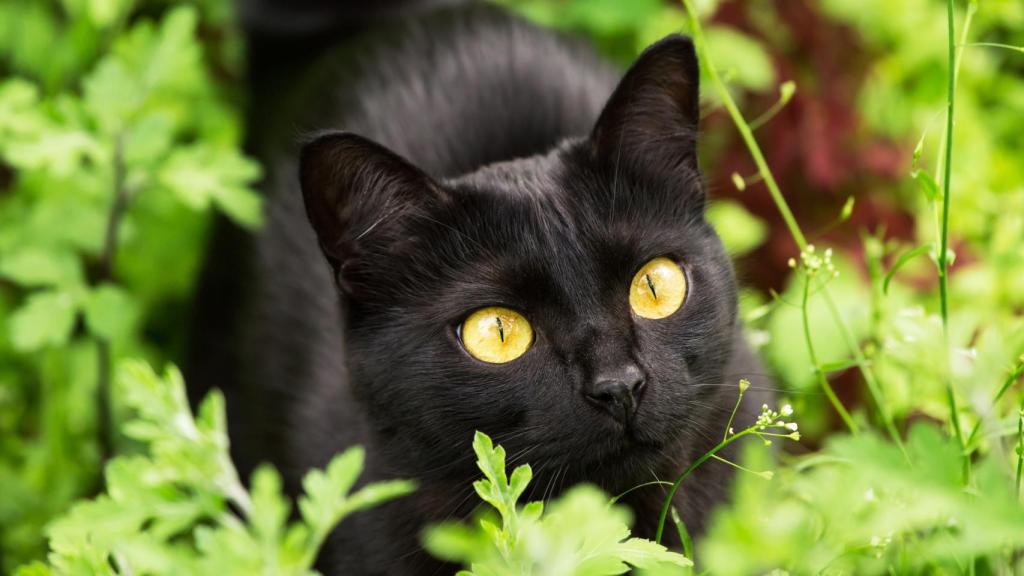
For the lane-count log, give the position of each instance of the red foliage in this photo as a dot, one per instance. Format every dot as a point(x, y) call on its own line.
point(817, 146)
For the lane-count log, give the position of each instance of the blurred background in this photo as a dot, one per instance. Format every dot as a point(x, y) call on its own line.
point(121, 138)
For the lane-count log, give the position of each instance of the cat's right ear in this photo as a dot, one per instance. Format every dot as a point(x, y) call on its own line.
point(651, 118)
point(356, 192)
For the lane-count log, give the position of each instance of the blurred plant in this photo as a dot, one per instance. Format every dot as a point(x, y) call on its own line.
point(860, 506)
point(173, 510)
point(946, 520)
point(580, 534)
point(114, 145)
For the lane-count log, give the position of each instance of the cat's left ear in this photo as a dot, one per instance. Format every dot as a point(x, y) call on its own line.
point(651, 119)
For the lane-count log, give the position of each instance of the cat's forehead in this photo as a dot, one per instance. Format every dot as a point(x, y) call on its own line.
point(526, 205)
point(560, 203)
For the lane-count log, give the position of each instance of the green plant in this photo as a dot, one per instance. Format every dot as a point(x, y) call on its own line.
point(769, 424)
point(173, 508)
point(862, 506)
point(116, 141)
point(579, 534)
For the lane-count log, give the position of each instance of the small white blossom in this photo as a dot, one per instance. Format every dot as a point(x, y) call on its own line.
point(814, 262)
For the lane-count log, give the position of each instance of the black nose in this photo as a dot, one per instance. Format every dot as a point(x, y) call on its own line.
point(617, 392)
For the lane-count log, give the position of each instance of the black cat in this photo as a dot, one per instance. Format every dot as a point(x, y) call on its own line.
point(474, 161)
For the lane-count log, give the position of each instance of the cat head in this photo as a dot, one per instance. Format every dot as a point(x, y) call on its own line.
point(512, 300)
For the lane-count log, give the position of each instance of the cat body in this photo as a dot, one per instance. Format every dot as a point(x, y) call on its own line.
point(429, 168)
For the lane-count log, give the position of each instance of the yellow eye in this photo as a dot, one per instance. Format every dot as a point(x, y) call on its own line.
point(658, 289)
point(496, 335)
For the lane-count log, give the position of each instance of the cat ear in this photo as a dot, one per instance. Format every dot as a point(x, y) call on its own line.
point(356, 191)
point(652, 116)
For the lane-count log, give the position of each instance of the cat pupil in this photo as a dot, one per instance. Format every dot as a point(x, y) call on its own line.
point(650, 284)
point(501, 329)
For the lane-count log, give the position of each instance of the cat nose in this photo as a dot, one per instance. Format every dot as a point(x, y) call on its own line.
point(617, 392)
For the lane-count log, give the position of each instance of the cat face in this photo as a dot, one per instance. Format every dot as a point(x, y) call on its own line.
point(543, 250)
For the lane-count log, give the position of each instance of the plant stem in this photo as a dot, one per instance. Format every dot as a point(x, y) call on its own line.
point(1012, 377)
point(819, 373)
point(1020, 448)
point(968, 18)
point(118, 206)
point(944, 236)
point(744, 129)
point(995, 45)
point(783, 208)
point(689, 469)
point(615, 499)
point(735, 408)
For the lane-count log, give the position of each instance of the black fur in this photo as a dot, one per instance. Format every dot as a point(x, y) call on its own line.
point(481, 162)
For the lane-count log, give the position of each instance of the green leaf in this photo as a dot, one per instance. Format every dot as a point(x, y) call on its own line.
point(148, 69)
point(454, 542)
point(113, 94)
point(376, 494)
point(927, 184)
point(642, 553)
point(46, 319)
point(740, 58)
point(59, 150)
point(31, 267)
point(110, 312)
point(201, 175)
point(20, 113)
point(324, 490)
point(33, 569)
point(902, 261)
point(847, 210)
point(269, 508)
point(148, 140)
point(577, 534)
point(684, 534)
point(740, 230)
point(839, 366)
point(104, 13)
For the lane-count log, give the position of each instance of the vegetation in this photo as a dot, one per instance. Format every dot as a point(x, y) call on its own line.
point(874, 201)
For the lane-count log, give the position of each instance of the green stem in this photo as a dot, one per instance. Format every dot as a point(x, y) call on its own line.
point(689, 469)
point(763, 474)
point(637, 487)
point(874, 388)
point(743, 128)
point(995, 45)
point(118, 207)
point(819, 373)
point(771, 111)
point(782, 206)
point(968, 18)
point(1020, 448)
point(735, 408)
point(943, 261)
point(1012, 377)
